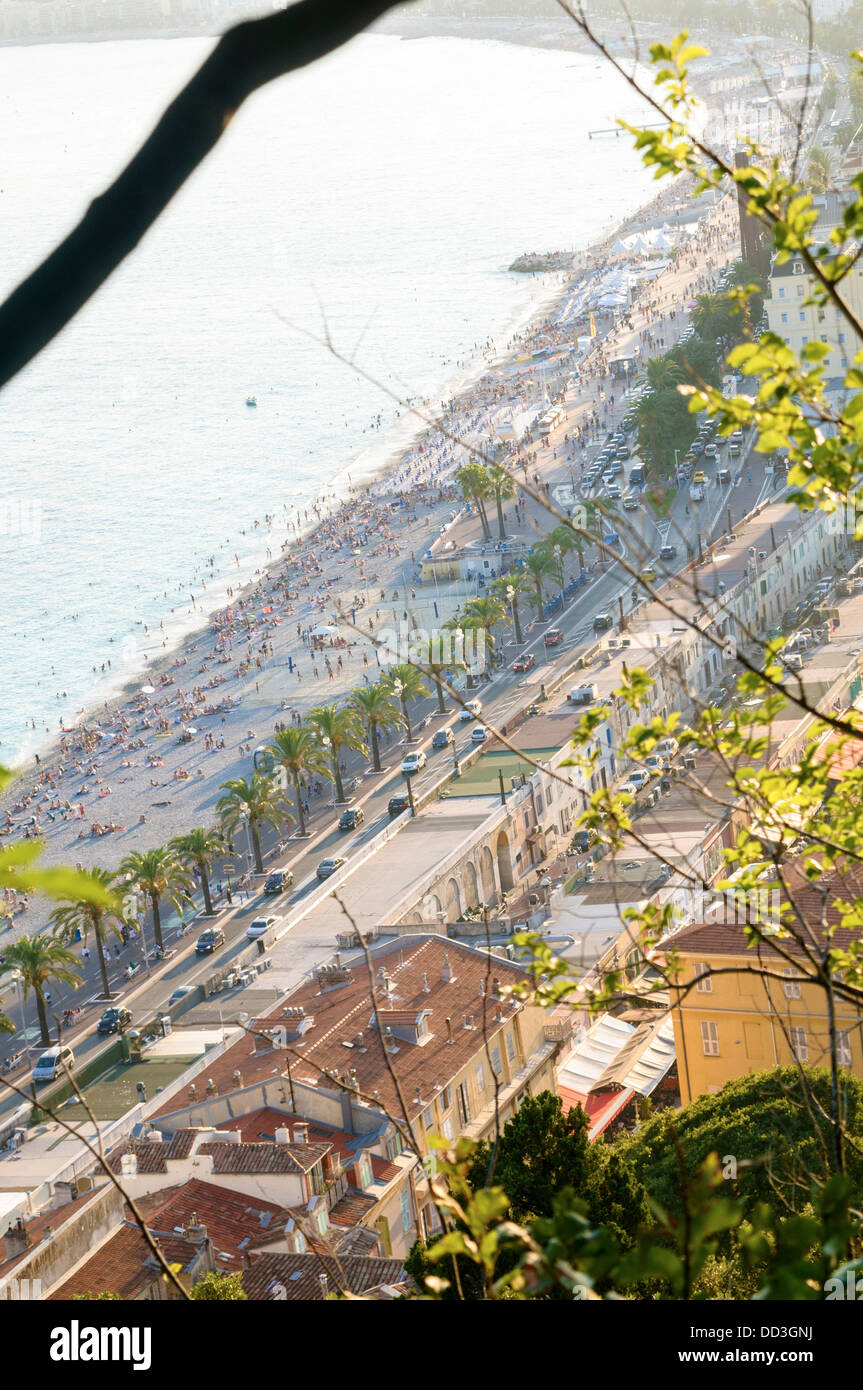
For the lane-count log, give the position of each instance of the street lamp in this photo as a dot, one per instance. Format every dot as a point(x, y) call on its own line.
point(558, 555)
point(140, 914)
point(516, 625)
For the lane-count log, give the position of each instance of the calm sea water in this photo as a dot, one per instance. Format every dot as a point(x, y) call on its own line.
point(378, 196)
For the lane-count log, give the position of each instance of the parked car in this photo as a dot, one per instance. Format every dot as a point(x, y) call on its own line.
point(583, 840)
point(114, 1021)
point(180, 993)
point(351, 818)
point(413, 762)
point(444, 737)
point(278, 881)
point(209, 940)
point(478, 735)
point(398, 803)
point(524, 662)
point(472, 710)
point(53, 1063)
point(260, 927)
point(553, 637)
point(329, 866)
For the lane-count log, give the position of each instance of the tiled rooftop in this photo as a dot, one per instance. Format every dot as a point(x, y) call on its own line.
point(300, 1276)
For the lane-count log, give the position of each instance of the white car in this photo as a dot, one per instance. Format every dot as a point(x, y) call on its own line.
point(412, 762)
point(630, 503)
point(472, 710)
point(613, 489)
point(479, 734)
point(260, 927)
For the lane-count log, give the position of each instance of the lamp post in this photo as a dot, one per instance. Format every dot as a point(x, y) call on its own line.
point(140, 914)
point(558, 555)
point(516, 625)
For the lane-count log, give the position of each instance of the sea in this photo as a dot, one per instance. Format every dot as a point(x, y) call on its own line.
point(370, 204)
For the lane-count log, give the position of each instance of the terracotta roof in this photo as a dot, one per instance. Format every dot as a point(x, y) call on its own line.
point(37, 1226)
point(125, 1265)
point(263, 1123)
point(235, 1221)
point(152, 1156)
point(300, 1276)
point(342, 1012)
point(352, 1209)
point(265, 1158)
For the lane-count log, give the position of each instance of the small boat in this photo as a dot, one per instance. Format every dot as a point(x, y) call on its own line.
point(251, 401)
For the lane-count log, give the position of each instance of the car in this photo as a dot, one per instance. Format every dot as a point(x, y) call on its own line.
point(623, 452)
point(53, 1063)
point(351, 818)
point(668, 552)
point(479, 734)
point(524, 662)
point(278, 881)
point(553, 637)
point(260, 927)
point(723, 475)
point(602, 622)
point(329, 866)
point(736, 436)
point(472, 710)
point(638, 778)
point(613, 489)
point(630, 503)
point(114, 1020)
point(444, 737)
point(180, 993)
point(711, 451)
point(398, 803)
point(699, 476)
point(733, 448)
point(209, 940)
point(696, 493)
point(413, 762)
point(583, 840)
point(648, 574)
point(607, 478)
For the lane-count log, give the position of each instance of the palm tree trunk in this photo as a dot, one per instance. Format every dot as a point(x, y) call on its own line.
point(404, 705)
point(373, 740)
point(157, 921)
point(100, 952)
point(205, 888)
point(256, 846)
point(518, 637)
point(539, 599)
point(43, 1016)
point(483, 516)
point(439, 688)
point(337, 776)
point(299, 799)
point(500, 526)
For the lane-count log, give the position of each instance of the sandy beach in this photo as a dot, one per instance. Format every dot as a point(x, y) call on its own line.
point(121, 779)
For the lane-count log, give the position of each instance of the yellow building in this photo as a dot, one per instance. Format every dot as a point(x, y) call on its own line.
point(763, 1013)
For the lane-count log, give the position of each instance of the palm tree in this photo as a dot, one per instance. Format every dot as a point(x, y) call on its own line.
point(664, 371)
point(473, 480)
point(39, 959)
point(375, 706)
point(159, 875)
point(199, 847)
point(255, 803)
point(103, 921)
point(519, 581)
point(336, 727)
point(539, 564)
point(431, 655)
point(483, 615)
point(298, 752)
point(502, 486)
point(406, 683)
point(819, 170)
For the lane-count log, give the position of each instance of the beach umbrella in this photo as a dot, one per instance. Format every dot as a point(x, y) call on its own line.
point(148, 690)
point(325, 630)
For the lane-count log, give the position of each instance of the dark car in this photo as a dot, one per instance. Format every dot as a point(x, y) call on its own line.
point(443, 738)
point(114, 1021)
point(398, 803)
point(278, 881)
point(602, 622)
point(668, 552)
point(584, 840)
point(350, 819)
point(209, 940)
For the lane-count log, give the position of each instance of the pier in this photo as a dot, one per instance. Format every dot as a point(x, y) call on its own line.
point(619, 130)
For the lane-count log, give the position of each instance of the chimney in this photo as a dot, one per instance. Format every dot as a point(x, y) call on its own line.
point(211, 1086)
point(426, 987)
point(498, 1016)
point(482, 989)
point(17, 1240)
point(446, 972)
point(283, 1136)
point(449, 1036)
point(355, 1085)
point(237, 1077)
point(128, 1166)
point(322, 1280)
point(262, 1042)
point(193, 1093)
point(301, 1132)
point(495, 988)
point(418, 1097)
point(358, 1040)
point(389, 1041)
point(196, 1231)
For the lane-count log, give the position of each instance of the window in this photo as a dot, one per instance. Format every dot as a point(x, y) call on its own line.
point(446, 1098)
point(792, 986)
point(842, 337)
point(394, 1146)
point(843, 1049)
point(798, 1044)
point(480, 1077)
point(799, 291)
point(704, 983)
point(321, 1221)
point(428, 1116)
point(781, 291)
point(802, 315)
point(783, 318)
point(496, 1064)
point(447, 1128)
point(462, 1103)
point(407, 1215)
point(710, 1039)
point(805, 339)
point(510, 1046)
point(300, 1246)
